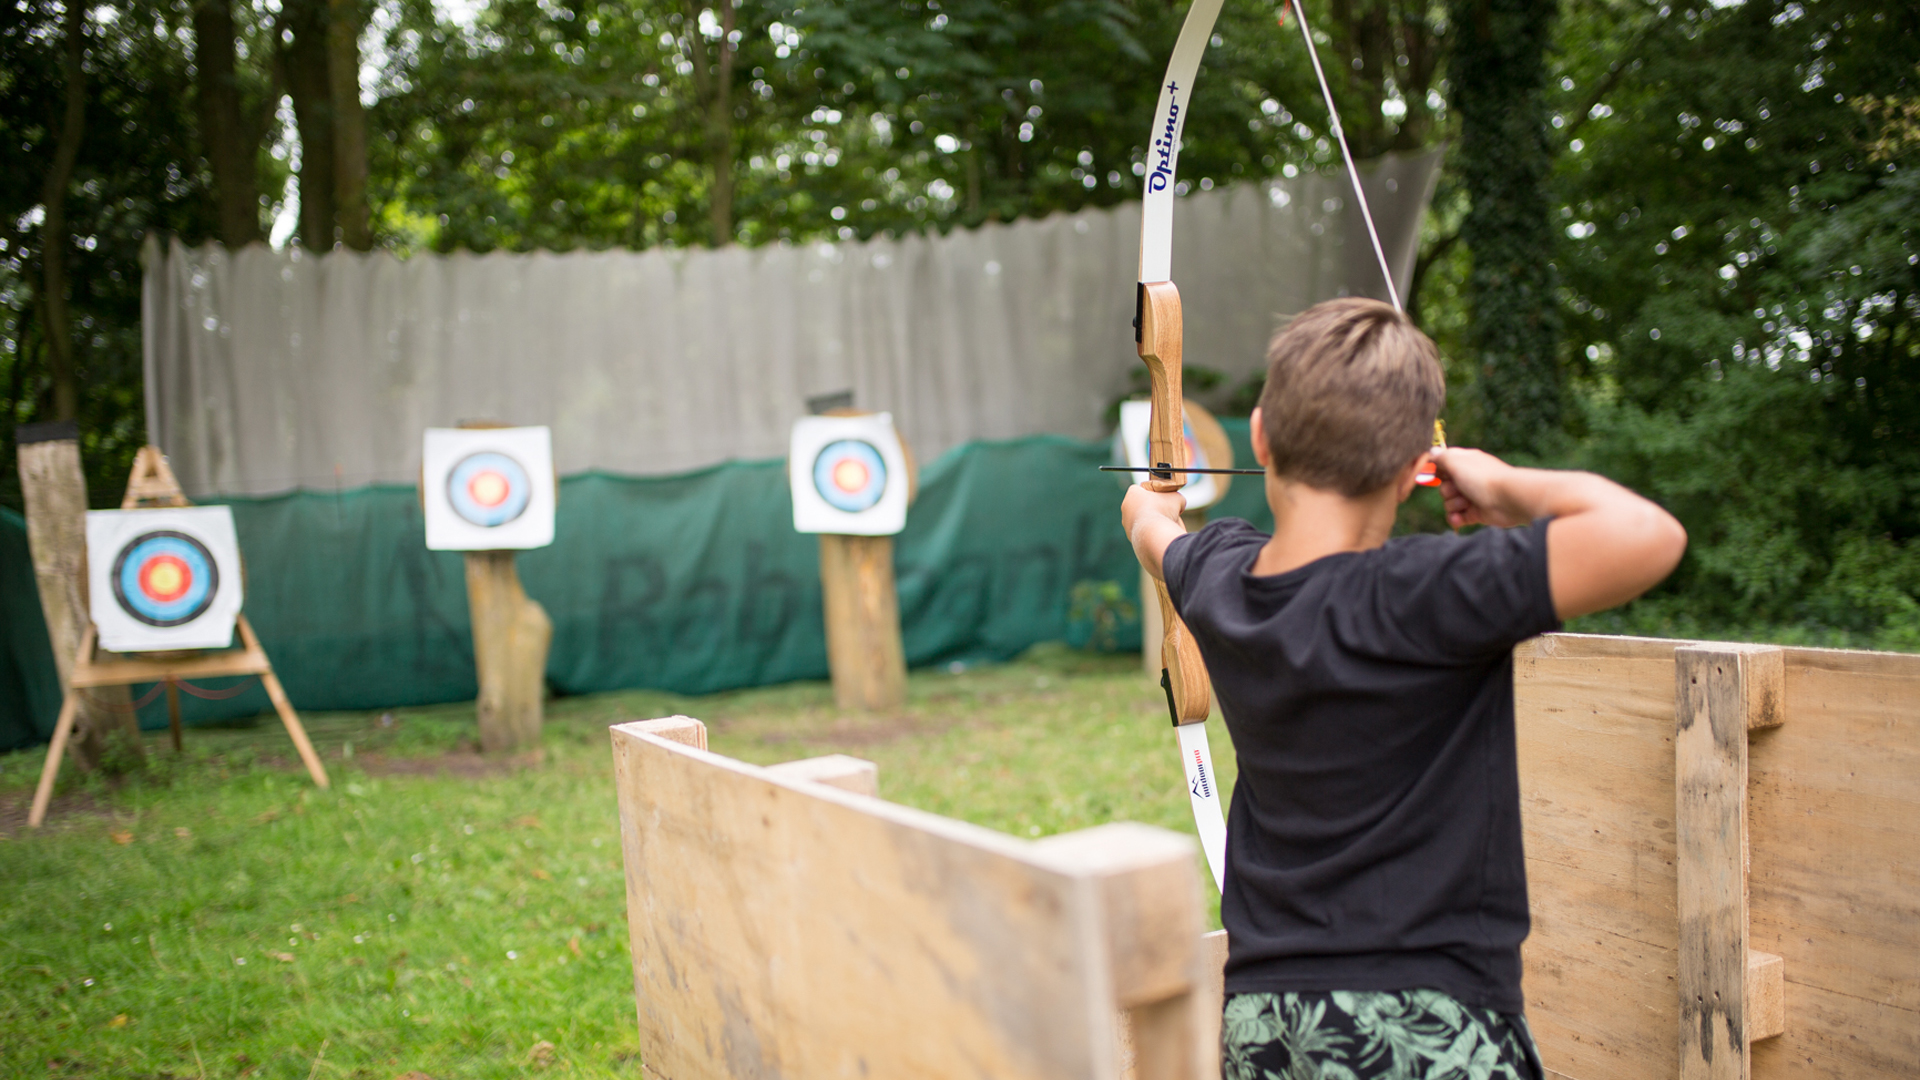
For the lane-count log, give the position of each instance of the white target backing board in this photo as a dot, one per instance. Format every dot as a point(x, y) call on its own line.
point(167, 578)
point(1135, 417)
point(849, 475)
point(488, 489)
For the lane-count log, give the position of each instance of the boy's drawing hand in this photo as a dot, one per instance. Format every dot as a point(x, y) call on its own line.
point(1605, 546)
point(1152, 521)
point(1471, 484)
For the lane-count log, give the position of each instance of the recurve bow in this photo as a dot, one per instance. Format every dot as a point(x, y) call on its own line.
point(1157, 332)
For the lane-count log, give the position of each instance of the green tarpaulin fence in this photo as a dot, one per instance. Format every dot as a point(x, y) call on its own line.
point(692, 583)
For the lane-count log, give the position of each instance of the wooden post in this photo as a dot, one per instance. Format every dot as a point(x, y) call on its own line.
point(511, 634)
point(1721, 693)
point(864, 652)
point(55, 491)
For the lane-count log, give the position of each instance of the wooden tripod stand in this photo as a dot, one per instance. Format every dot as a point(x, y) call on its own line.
point(153, 483)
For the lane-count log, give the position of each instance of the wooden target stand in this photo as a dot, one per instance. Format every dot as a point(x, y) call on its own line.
point(512, 635)
point(1219, 450)
point(153, 484)
point(865, 656)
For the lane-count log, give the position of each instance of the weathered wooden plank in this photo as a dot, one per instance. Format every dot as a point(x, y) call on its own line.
point(1834, 831)
point(1833, 809)
point(1597, 815)
point(785, 928)
point(1152, 936)
point(1834, 823)
point(1602, 1007)
point(1833, 1035)
point(1720, 692)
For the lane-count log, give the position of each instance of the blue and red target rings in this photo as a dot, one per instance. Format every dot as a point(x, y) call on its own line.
point(488, 489)
point(850, 475)
point(165, 578)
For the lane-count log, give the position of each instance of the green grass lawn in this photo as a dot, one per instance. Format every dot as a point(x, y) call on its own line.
point(445, 914)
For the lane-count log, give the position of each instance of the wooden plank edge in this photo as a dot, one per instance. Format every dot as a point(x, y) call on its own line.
point(684, 730)
point(123, 672)
point(856, 775)
point(1766, 996)
point(1026, 851)
point(1866, 662)
point(1150, 896)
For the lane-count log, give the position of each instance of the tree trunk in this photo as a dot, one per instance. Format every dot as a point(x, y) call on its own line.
point(107, 732)
point(862, 606)
point(511, 636)
point(229, 142)
point(53, 231)
point(713, 87)
point(973, 176)
point(1499, 78)
point(349, 125)
point(303, 63)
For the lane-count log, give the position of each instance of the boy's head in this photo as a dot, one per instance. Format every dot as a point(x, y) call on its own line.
point(1352, 390)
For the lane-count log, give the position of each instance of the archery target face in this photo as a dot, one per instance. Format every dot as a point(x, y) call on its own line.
point(849, 476)
point(1135, 418)
point(167, 578)
point(488, 489)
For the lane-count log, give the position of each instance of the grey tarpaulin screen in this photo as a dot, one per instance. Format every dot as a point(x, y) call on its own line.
point(273, 371)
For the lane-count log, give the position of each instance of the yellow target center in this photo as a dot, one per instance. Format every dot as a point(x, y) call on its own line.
point(850, 475)
point(166, 578)
point(488, 489)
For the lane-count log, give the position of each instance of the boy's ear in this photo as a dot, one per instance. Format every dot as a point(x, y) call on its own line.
point(1257, 435)
point(1404, 481)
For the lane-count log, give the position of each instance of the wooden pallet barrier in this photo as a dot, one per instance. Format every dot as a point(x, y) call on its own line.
point(784, 923)
point(1723, 855)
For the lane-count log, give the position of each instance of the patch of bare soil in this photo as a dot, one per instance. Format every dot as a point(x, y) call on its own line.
point(866, 731)
point(67, 810)
point(466, 762)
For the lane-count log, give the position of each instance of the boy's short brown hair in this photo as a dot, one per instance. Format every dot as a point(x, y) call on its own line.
point(1352, 391)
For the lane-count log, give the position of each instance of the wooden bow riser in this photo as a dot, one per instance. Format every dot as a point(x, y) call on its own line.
point(1160, 331)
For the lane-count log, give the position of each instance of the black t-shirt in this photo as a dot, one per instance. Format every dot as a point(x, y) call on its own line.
point(1374, 837)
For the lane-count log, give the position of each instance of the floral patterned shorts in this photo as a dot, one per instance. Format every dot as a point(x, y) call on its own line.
point(1372, 1035)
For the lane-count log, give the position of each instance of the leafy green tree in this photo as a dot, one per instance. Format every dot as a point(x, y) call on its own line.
point(137, 168)
point(1738, 198)
point(545, 126)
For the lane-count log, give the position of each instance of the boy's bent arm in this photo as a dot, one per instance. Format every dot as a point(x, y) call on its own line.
point(1605, 546)
point(1152, 521)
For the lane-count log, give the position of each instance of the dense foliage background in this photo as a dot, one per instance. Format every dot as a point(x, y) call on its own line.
point(1674, 241)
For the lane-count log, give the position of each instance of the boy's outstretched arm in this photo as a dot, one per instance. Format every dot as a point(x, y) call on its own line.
point(1606, 545)
point(1152, 521)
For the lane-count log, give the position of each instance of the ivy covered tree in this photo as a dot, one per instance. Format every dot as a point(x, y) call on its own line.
point(1498, 78)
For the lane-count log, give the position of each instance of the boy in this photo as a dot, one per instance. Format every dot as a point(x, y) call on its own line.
point(1375, 897)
